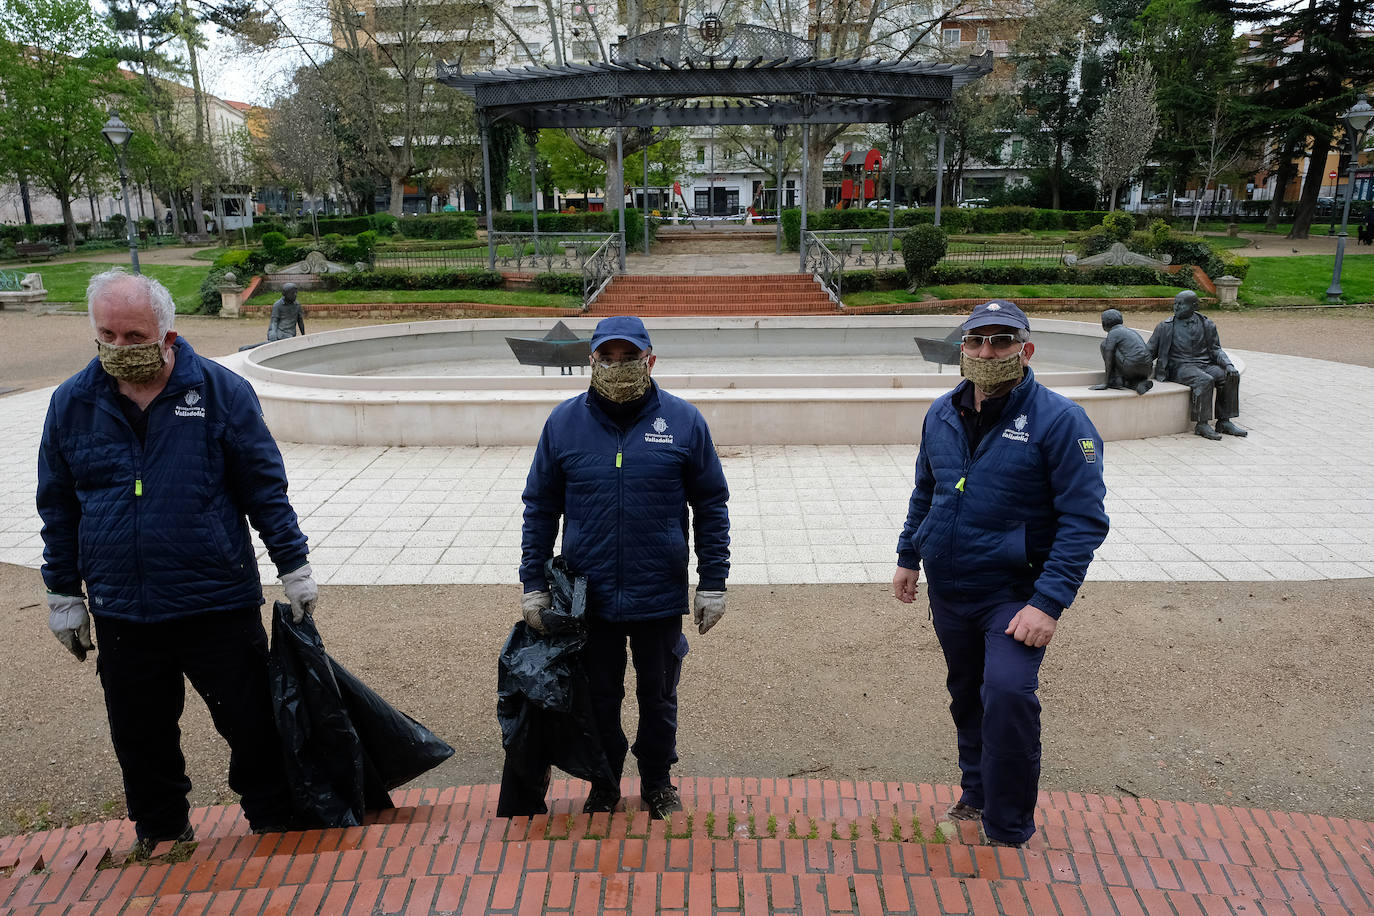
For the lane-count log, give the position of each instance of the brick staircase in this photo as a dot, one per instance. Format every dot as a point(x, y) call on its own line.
point(769, 294)
point(745, 846)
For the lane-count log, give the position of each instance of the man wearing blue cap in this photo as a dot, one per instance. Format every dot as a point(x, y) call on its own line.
point(620, 464)
point(1005, 515)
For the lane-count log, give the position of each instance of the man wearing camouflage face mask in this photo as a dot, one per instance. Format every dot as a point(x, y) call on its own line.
point(1005, 515)
point(620, 465)
point(152, 465)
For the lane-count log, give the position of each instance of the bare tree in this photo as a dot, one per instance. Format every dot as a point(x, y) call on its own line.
point(1124, 127)
point(1224, 149)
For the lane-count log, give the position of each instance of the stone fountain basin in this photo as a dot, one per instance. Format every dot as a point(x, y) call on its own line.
point(779, 381)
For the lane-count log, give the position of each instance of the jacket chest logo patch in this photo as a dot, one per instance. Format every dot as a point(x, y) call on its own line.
point(190, 407)
point(1018, 434)
point(660, 433)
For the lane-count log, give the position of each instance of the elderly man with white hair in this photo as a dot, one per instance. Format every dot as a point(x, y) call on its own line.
point(153, 463)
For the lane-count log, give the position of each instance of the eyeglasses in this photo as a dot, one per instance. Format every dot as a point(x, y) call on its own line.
point(998, 341)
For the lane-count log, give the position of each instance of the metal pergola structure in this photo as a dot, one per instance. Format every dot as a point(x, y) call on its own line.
point(686, 77)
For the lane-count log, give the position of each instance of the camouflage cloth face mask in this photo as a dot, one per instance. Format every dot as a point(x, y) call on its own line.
point(136, 363)
point(990, 374)
point(621, 382)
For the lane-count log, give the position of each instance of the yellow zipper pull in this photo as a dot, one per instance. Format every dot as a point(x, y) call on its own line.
point(138, 487)
point(960, 485)
point(617, 459)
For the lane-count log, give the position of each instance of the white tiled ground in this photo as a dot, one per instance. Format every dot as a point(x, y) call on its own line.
point(1295, 500)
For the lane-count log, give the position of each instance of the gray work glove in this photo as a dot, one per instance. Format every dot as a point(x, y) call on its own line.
point(707, 609)
point(70, 623)
point(532, 608)
point(301, 591)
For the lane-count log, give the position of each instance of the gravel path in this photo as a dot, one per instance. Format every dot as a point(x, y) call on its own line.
point(1234, 693)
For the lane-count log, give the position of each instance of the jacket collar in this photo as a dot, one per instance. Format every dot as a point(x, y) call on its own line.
point(1015, 397)
point(651, 404)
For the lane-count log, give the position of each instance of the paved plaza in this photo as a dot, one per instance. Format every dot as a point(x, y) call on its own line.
point(1293, 501)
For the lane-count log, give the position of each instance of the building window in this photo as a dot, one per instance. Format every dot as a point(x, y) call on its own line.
point(951, 36)
point(1016, 147)
point(701, 155)
point(984, 36)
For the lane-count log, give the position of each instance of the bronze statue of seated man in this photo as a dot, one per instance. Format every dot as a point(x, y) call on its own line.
point(1125, 358)
point(1187, 349)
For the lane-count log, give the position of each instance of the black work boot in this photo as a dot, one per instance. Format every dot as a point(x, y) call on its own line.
point(1206, 432)
point(662, 802)
point(601, 798)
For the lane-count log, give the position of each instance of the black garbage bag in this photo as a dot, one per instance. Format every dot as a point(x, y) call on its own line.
point(543, 701)
point(345, 747)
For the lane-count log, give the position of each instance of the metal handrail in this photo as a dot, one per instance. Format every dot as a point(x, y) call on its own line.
point(598, 269)
point(864, 247)
point(826, 266)
point(547, 250)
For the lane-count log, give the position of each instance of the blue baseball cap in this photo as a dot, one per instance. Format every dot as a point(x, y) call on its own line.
point(620, 327)
point(996, 311)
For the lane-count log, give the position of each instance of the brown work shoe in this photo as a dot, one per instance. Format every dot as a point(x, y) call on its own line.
point(992, 842)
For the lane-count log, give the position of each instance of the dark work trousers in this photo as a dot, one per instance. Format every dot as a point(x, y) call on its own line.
point(224, 655)
point(1203, 380)
point(657, 648)
point(992, 682)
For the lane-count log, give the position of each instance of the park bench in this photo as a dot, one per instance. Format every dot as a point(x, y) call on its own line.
point(195, 238)
point(30, 251)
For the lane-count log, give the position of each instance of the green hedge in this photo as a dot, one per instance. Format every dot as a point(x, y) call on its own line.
point(1013, 274)
point(607, 221)
point(394, 278)
point(438, 226)
point(570, 284)
point(985, 220)
point(860, 280)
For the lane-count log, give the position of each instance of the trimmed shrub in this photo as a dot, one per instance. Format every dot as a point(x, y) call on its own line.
point(1014, 274)
point(274, 246)
point(441, 226)
point(1119, 225)
point(383, 223)
point(235, 259)
point(922, 249)
point(208, 298)
point(391, 278)
point(571, 284)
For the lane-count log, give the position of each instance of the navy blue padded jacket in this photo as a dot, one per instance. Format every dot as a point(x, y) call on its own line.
point(1020, 517)
point(623, 498)
point(160, 530)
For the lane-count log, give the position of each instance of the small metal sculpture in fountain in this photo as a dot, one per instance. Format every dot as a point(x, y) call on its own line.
point(560, 347)
point(941, 352)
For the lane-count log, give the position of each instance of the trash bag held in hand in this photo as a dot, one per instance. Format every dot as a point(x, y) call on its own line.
point(345, 747)
point(543, 701)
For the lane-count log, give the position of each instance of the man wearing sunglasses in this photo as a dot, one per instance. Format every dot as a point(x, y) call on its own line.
point(619, 465)
point(1005, 515)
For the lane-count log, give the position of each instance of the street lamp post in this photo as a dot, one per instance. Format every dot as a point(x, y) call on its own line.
point(117, 134)
point(1356, 121)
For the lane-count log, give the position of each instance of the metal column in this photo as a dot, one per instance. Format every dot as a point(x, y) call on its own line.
point(532, 139)
point(779, 134)
point(894, 130)
point(620, 155)
point(801, 236)
point(939, 173)
point(486, 189)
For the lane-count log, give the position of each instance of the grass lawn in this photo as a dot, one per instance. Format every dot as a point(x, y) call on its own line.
point(482, 296)
point(1302, 280)
point(67, 282)
point(1044, 291)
